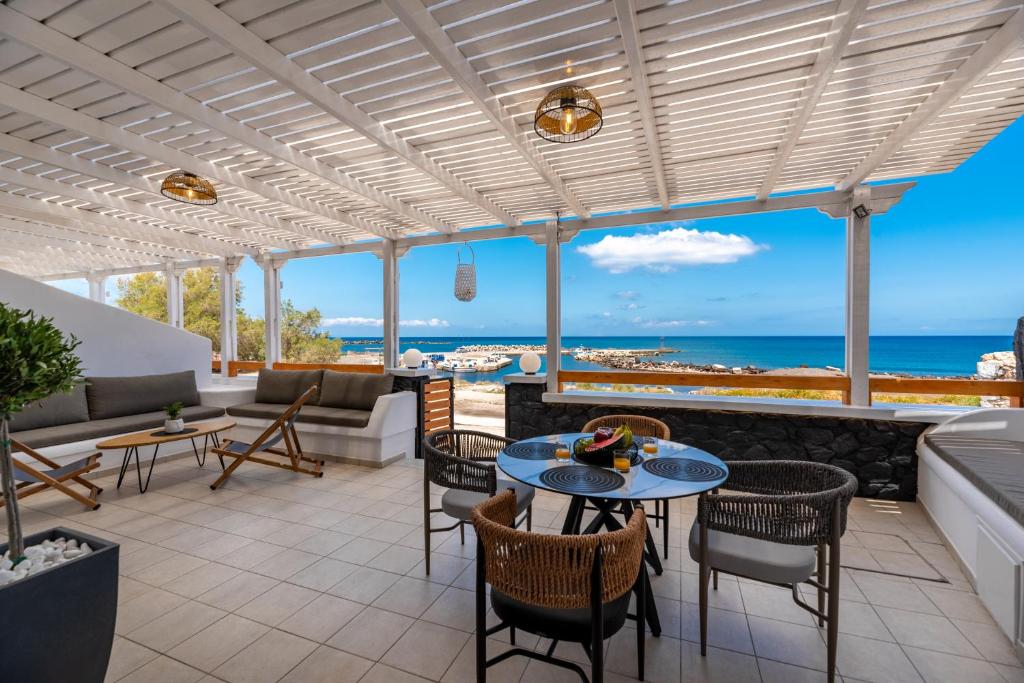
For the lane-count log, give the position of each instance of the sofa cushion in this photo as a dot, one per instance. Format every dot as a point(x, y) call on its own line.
point(354, 390)
point(285, 386)
point(98, 429)
point(338, 417)
point(59, 409)
point(119, 396)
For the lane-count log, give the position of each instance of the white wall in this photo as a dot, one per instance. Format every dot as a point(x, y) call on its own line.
point(114, 342)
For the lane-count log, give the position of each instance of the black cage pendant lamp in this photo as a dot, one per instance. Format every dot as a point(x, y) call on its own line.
point(569, 113)
point(187, 187)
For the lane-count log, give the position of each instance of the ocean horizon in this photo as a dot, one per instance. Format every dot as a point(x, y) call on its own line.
point(921, 355)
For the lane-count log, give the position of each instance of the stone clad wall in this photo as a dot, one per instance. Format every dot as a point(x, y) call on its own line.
point(881, 453)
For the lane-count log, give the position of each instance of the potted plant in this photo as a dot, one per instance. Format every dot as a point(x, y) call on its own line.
point(174, 424)
point(52, 598)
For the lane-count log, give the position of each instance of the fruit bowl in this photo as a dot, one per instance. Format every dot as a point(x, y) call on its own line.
point(600, 449)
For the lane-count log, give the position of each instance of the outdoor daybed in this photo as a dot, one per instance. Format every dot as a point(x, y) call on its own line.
point(68, 425)
point(971, 483)
point(355, 417)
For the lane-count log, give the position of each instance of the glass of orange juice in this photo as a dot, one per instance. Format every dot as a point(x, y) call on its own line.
point(620, 461)
point(651, 445)
point(562, 451)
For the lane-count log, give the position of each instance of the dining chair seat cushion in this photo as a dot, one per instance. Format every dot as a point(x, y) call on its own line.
point(754, 558)
point(572, 625)
point(459, 504)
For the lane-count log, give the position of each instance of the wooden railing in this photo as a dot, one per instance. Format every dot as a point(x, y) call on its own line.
point(236, 366)
point(890, 385)
point(438, 406)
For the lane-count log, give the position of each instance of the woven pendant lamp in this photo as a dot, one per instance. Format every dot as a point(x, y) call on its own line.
point(187, 187)
point(569, 113)
point(465, 277)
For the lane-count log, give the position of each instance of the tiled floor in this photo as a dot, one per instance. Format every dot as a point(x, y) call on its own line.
point(281, 577)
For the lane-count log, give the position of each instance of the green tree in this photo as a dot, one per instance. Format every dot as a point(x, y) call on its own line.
point(302, 341)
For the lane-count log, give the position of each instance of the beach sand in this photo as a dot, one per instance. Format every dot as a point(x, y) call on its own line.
point(480, 407)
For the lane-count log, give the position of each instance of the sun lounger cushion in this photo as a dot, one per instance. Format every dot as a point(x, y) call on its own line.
point(995, 466)
point(58, 409)
point(340, 417)
point(129, 396)
point(354, 390)
point(285, 386)
point(97, 429)
point(57, 473)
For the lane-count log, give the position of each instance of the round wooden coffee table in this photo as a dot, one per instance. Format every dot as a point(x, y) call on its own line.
point(208, 429)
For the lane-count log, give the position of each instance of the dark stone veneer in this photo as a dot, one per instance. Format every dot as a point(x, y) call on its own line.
point(881, 453)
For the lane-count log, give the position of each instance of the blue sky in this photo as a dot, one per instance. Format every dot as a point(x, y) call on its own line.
point(944, 261)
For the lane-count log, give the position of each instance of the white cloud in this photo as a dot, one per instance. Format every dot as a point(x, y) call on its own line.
point(671, 323)
point(357, 321)
point(433, 322)
point(628, 295)
point(354, 321)
point(667, 250)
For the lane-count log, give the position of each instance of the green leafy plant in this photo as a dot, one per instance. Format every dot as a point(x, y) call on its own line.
point(174, 410)
point(36, 361)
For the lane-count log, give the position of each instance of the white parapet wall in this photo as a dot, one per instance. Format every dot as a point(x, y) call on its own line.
point(114, 342)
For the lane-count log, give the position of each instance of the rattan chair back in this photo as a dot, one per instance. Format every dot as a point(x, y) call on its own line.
point(784, 501)
point(554, 571)
point(640, 425)
point(462, 459)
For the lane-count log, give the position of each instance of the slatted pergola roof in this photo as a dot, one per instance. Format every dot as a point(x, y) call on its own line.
point(333, 122)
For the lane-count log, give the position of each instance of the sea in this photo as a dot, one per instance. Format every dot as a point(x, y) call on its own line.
point(914, 355)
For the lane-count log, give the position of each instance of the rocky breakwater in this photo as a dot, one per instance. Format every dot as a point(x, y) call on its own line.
point(996, 365)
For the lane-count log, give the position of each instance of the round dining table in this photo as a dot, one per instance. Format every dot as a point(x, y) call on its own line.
point(675, 471)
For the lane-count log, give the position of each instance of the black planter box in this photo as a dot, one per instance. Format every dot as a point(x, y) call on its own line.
point(58, 625)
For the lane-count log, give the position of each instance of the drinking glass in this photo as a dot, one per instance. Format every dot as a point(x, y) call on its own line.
point(620, 461)
point(562, 452)
point(651, 445)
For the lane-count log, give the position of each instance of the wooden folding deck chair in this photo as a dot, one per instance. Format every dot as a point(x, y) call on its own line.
point(30, 480)
point(283, 429)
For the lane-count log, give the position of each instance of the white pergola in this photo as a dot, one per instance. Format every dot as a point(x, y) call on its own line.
point(376, 126)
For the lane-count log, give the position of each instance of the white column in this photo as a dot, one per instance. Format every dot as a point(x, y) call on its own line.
point(97, 287)
point(389, 255)
point(272, 309)
point(175, 297)
point(553, 260)
point(858, 285)
point(228, 313)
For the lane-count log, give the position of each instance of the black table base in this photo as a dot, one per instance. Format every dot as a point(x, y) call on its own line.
point(133, 451)
point(605, 517)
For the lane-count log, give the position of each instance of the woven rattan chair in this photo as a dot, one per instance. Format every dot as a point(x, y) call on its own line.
point(462, 461)
point(783, 529)
point(573, 588)
point(641, 425)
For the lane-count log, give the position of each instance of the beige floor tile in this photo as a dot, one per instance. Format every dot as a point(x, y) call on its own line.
point(364, 585)
point(237, 591)
point(788, 643)
point(937, 667)
point(726, 630)
point(266, 660)
point(371, 633)
point(277, 604)
point(251, 555)
point(464, 666)
point(126, 657)
point(169, 569)
point(218, 643)
point(284, 564)
point(426, 650)
point(164, 670)
point(885, 592)
point(381, 673)
point(777, 672)
point(444, 569)
point(865, 659)
point(455, 608)
point(409, 596)
point(773, 602)
point(174, 627)
point(145, 608)
point(322, 574)
point(926, 631)
point(360, 550)
point(321, 618)
point(327, 665)
point(717, 666)
point(201, 580)
point(397, 559)
point(958, 604)
point(990, 641)
point(324, 542)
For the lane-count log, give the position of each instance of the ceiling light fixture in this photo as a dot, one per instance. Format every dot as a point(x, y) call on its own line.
point(187, 187)
point(569, 113)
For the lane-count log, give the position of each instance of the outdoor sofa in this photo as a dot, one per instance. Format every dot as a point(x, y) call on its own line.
point(971, 483)
point(65, 426)
point(355, 417)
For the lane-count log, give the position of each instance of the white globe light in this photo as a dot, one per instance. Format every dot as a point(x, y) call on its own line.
point(529, 363)
point(412, 359)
